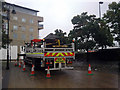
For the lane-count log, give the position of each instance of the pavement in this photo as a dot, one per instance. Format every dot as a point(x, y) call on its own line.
point(15, 78)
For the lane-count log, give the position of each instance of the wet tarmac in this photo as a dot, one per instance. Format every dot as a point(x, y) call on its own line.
point(60, 79)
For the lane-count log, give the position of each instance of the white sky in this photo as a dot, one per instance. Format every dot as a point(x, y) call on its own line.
point(58, 13)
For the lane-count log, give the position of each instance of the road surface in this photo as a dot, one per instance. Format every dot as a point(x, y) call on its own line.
point(60, 79)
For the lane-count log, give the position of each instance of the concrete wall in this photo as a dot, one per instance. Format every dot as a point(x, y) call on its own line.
point(100, 56)
point(3, 53)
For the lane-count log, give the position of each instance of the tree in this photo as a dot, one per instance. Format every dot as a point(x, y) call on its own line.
point(4, 29)
point(61, 35)
point(73, 35)
point(90, 32)
point(83, 31)
point(103, 37)
point(113, 19)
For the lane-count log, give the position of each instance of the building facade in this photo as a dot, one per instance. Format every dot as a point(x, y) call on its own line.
point(23, 26)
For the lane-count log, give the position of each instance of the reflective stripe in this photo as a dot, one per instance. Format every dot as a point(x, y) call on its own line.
point(59, 54)
point(53, 54)
point(47, 54)
point(66, 53)
point(71, 53)
point(64, 59)
point(62, 54)
point(34, 53)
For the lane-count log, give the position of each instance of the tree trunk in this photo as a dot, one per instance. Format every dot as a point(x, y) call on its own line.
point(87, 56)
point(105, 47)
point(102, 47)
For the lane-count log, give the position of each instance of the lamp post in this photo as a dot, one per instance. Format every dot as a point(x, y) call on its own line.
point(100, 9)
point(8, 19)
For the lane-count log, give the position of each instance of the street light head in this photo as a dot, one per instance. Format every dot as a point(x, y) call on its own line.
point(13, 12)
point(100, 2)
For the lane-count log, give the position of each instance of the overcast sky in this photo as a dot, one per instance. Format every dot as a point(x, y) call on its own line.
point(58, 13)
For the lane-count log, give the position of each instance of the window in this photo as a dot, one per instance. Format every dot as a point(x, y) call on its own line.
point(23, 36)
point(31, 37)
point(15, 18)
point(31, 21)
point(14, 35)
point(23, 20)
point(15, 27)
point(23, 28)
point(31, 29)
point(5, 25)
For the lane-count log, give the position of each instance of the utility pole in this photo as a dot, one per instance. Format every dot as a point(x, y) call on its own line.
point(8, 18)
point(100, 9)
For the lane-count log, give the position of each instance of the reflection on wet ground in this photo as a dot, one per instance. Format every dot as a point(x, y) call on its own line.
point(76, 78)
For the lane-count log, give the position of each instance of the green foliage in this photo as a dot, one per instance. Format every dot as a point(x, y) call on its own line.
point(61, 35)
point(90, 32)
point(112, 18)
point(103, 36)
point(5, 39)
point(83, 31)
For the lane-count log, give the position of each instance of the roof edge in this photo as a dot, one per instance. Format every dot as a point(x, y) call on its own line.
point(22, 7)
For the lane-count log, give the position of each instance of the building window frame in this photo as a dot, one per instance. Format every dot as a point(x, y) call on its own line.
point(23, 36)
point(15, 36)
point(23, 20)
point(15, 27)
point(23, 28)
point(31, 21)
point(31, 37)
point(31, 29)
point(15, 18)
